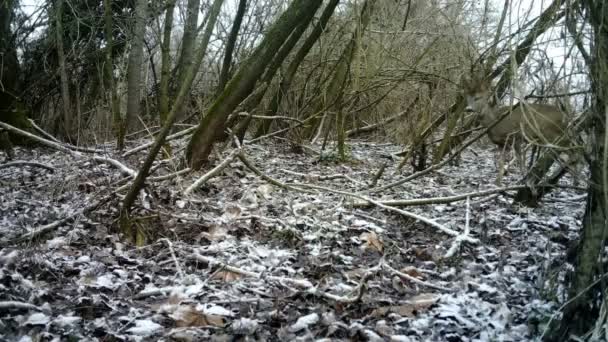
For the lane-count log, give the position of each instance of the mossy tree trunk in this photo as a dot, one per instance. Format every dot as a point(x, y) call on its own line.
point(230, 44)
point(253, 101)
point(586, 291)
point(292, 68)
point(243, 82)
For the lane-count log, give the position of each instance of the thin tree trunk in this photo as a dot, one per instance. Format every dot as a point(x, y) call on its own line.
point(188, 39)
point(230, 44)
point(63, 75)
point(243, 82)
point(109, 76)
point(184, 89)
point(135, 64)
point(165, 71)
point(335, 89)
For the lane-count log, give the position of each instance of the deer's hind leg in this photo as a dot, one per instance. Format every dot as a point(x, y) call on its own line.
point(501, 164)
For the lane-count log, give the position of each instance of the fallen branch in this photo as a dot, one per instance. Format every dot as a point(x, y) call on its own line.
point(149, 144)
point(36, 232)
point(122, 167)
point(269, 179)
point(18, 163)
point(414, 279)
point(10, 304)
point(458, 240)
point(213, 172)
point(46, 142)
point(417, 217)
point(439, 200)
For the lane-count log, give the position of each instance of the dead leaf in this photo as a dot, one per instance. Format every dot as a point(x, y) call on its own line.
point(373, 242)
point(412, 271)
point(226, 276)
point(413, 307)
point(188, 316)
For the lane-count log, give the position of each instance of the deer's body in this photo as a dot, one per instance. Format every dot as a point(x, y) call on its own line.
point(539, 124)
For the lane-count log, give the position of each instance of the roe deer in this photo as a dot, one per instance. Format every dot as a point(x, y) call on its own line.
point(540, 124)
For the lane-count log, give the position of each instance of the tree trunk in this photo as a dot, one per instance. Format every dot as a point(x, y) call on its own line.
point(243, 83)
point(109, 76)
point(252, 103)
point(135, 65)
point(585, 292)
point(65, 90)
point(188, 39)
point(290, 73)
point(230, 44)
point(165, 71)
point(184, 89)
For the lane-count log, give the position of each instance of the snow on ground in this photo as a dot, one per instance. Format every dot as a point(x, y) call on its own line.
point(244, 259)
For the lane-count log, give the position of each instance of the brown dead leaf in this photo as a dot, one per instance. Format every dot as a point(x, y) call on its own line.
point(226, 276)
point(413, 307)
point(188, 316)
point(412, 271)
point(373, 242)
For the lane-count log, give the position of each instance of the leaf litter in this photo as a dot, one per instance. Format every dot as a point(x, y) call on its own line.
point(244, 259)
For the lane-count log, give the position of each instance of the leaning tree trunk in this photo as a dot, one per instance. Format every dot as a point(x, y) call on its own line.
point(586, 293)
point(134, 68)
point(243, 82)
point(292, 68)
point(230, 44)
point(253, 101)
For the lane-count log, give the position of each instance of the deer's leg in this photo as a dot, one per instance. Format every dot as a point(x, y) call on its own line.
point(501, 165)
point(521, 157)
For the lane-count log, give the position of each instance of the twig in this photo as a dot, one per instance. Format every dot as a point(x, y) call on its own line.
point(213, 172)
point(122, 167)
point(276, 117)
point(46, 142)
point(170, 137)
point(458, 240)
point(269, 179)
point(440, 200)
point(428, 221)
point(52, 138)
point(414, 279)
point(170, 175)
point(377, 175)
point(54, 225)
point(18, 163)
point(177, 265)
point(322, 177)
point(302, 283)
point(5, 305)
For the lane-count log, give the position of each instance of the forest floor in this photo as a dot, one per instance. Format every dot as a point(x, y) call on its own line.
point(241, 259)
